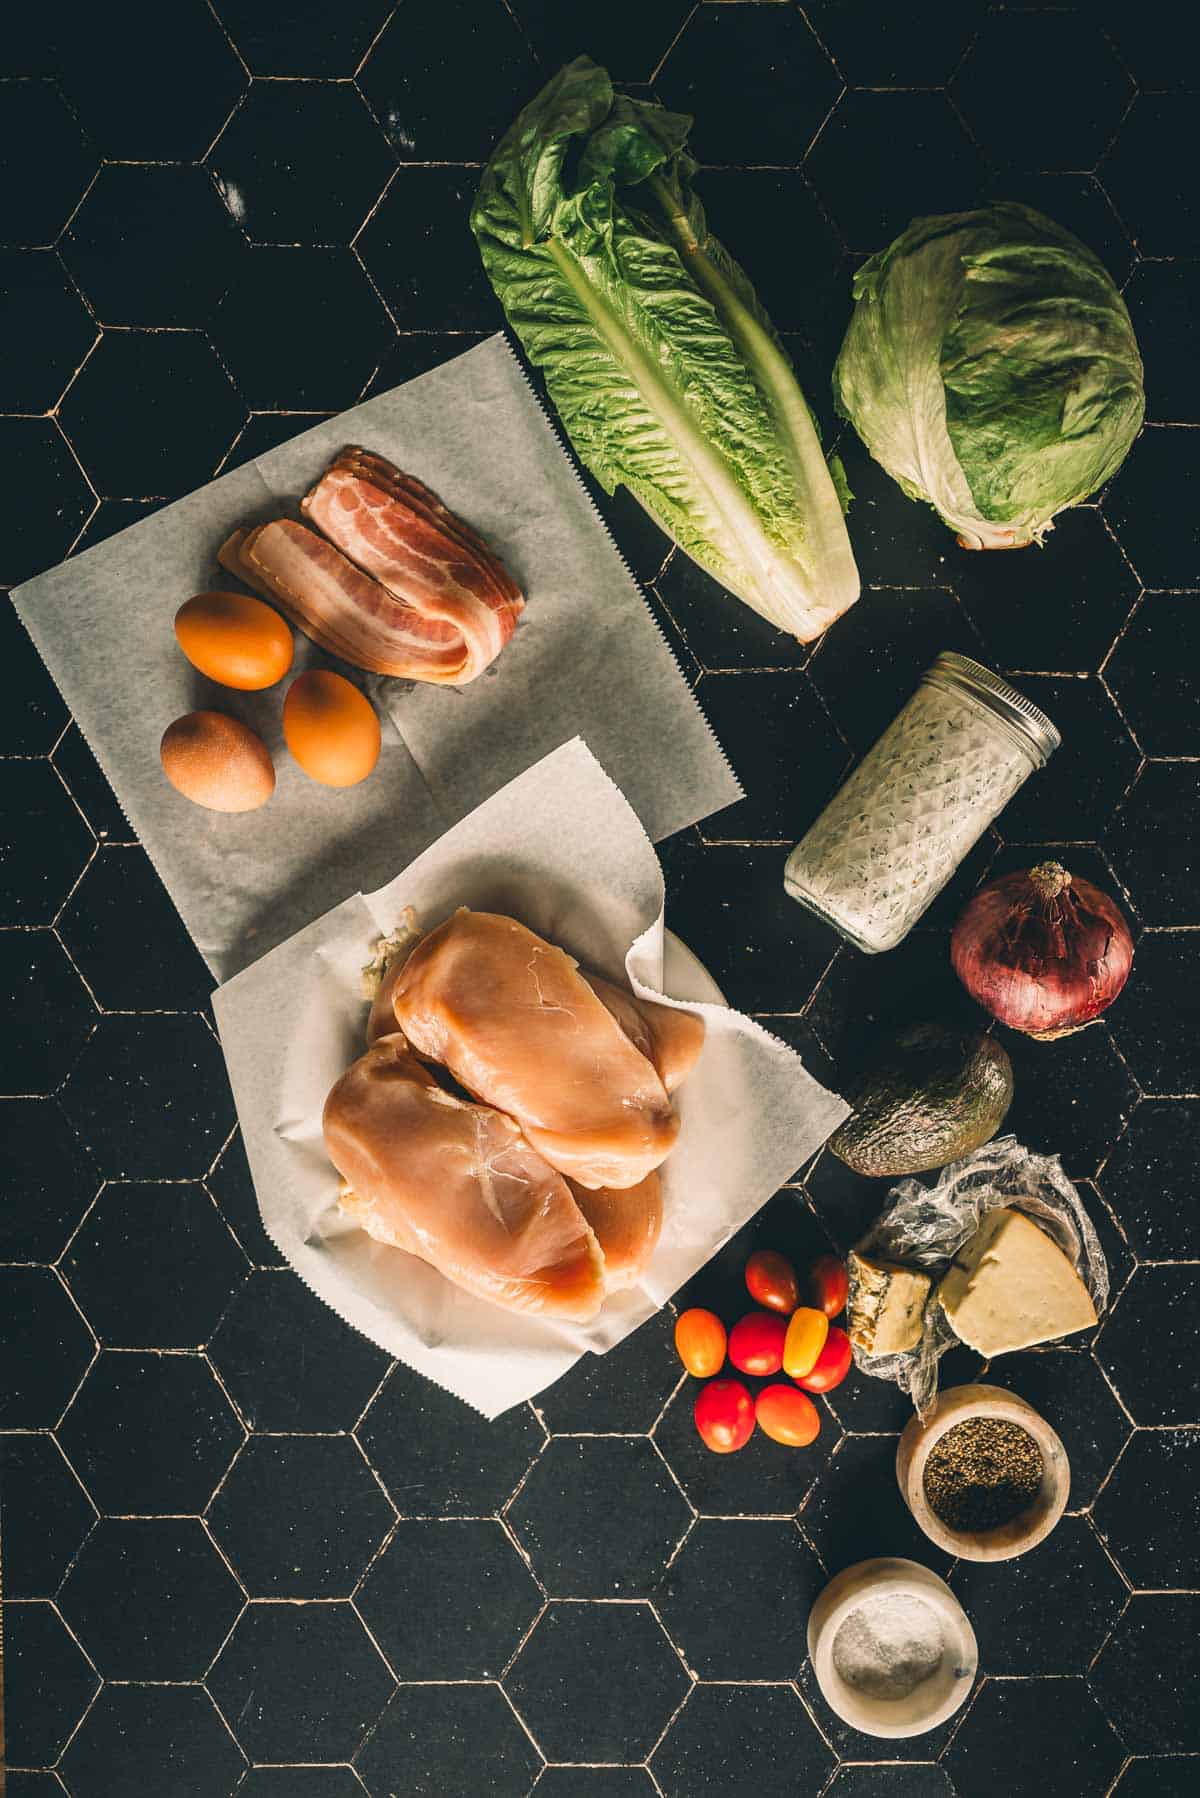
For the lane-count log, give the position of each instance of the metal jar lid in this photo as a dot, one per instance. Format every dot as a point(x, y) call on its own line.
point(959, 673)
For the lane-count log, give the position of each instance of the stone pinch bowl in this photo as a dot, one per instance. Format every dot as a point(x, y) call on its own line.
point(956, 1405)
point(938, 1696)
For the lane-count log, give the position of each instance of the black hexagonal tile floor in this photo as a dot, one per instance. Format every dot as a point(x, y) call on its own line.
point(922, 1780)
point(1154, 1307)
point(1161, 1777)
point(266, 431)
point(1072, 798)
point(255, 1348)
point(1162, 304)
point(921, 161)
point(719, 630)
point(31, 708)
point(730, 1739)
point(431, 279)
point(44, 1348)
point(298, 37)
point(44, 1515)
point(27, 1783)
point(1162, 215)
point(413, 353)
point(623, 1390)
point(867, 1406)
point(445, 78)
point(328, 1516)
point(449, 1599)
point(777, 1576)
point(300, 1782)
point(436, 1457)
point(1166, 986)
point(1072, 1097)
point(151, 413)
point(759, 719)
point(580, 1551)
point(188, 1266)
point(230, 1183)
point(1154, 1543)
point(1027, 1736)
point(874, 46)
point(897, 541)
point(595, 1782)
point(570, 1713)
point(140, 1739)
point(45, 330)
point(628, 37)
point(1148, 1180)
point(1149, 671)
point(1017, 1611)
point(305, 160)
point(127, 939)
point(135, 1583)
point(300, 1682)
point(47, 1178)
point(432, 1741)
point(172, 1401)
point(1152, 842)
point(55, 497)
point(150, 1095)
point(1071, 1393)
point(1078, 203)
point(110, 517)
point(857, 1512)
point(845, 1202)
point(40, 192)
point(1144, 503)
point(764, 1479)
point(865, 998)
point(743, 208)
point(1064, 125)
point(43, 835)
point(47, 1683)
point(1145, 1675)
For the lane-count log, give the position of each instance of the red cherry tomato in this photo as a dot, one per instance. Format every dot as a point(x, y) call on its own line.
point(724, 1414)
point(756, 1342)
point(830, 1284)
point(788, 1416)
point(831, 1365)
point(771, 1281)
point(700, 1342)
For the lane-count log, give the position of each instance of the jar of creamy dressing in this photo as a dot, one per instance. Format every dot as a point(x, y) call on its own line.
point(891, 837)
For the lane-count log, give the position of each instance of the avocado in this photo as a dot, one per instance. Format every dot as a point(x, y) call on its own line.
point(931, 1095)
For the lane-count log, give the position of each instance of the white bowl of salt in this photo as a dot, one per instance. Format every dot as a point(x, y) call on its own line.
point(893, 1650)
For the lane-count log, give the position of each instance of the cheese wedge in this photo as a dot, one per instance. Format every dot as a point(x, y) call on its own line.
point(887, 1306)
point(1011, 1286)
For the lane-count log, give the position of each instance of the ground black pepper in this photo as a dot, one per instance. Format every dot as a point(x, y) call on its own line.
point(982, 1473)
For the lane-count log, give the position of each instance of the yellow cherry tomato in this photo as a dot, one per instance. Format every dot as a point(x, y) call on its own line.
point(805, 1339)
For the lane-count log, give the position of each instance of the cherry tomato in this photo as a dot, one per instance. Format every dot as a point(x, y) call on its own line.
point(788, 1416)
point(830, 1284)
point(700, 1342)
point(831, 1365)
point(724, 1414)
point(771, 1281)
point(806, 1335)
point(756, 1342)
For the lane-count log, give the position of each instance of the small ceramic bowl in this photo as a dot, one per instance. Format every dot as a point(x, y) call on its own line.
point(1025, 1531)
point(936, 1697)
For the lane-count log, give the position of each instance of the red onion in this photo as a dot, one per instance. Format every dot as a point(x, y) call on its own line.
point(1043, 952)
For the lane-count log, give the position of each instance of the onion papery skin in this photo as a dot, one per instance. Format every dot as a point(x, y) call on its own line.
point(1043, 952)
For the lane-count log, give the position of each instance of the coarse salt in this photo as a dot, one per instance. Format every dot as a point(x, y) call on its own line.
point(889, 1645)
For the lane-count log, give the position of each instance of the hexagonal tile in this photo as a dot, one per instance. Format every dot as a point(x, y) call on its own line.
point(1151, 841)
point(44, 1348)
point(1149, 672)
point(776, 1576)
point(45, 331)
point(1030, 1736)
point(897, 541)
point(1071, 799)
point(150, 1096)
point(413, 353)
point(24, 1783)
point(628, 37)
point(1072, 1097)
point(449, 1599)
point(300, 1682)
point(1063, 125)
point(756, 1738)
point(297, 38)
point(862, 999)
point(1161, 214)
point(1161, 298)
point(188, 1265)
point(302, 331)
point(1154, 1307)
point(857, 1510)
point(231, 1185)
point(1148, 1180)
point(1017, 1609)
point(255, 1349)
point(1143, 506)
point(624, 1389)
point(1152, 1542)
point(44, 843)
point(719, 630)
point(152, 245)
point(55, 497)
point(759, 718)
point(31, 707)
point(110, 517)
point(140, 1739)
point(436, 1457)
point(743, 208)
point(432, 1741)
point(922, 1780)
point(1078, 203)
point(44, 1515)
point(47, 1683)
point(305, 159)
point(921, 161)
point(134, 1585)
point(1160, 1777)
point(595, 1782)
point(328, 1516)
point(169, 1400)
point(445, 78)
point(151, 413)
point(145, 98)
point(1071, 1393)
point(1153, 47)
point(757, 80)
point(266, 431)
point(40, 191)
point(569, 1712)
point(581, 1552)
point(127, 939)
point(300, 1782)
point(78, 767)
point(431, 280)
point(1145, 1675)
point(1165, 986)
point(48, 1180)
point(764, 1479)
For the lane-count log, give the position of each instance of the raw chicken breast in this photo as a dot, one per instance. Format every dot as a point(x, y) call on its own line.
point(457, 1184)
point(671, 1039)
point(627, 1226)
point(517, 1024)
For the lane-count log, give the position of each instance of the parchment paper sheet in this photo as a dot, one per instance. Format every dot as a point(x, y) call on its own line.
point(562, 849)
point(587, 658)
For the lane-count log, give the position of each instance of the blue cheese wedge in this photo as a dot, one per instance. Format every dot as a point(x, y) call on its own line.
point(887, 1305)
point(1010, 1286)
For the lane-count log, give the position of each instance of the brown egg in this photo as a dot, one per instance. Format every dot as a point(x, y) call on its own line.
point(235, 640)
point(217, 762)
point(330, 728)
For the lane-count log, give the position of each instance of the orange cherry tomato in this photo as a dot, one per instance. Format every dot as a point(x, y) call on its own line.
point(771, 1281)
point(830, 1284)
point(724, 1413)
point(756, 1342)
point(700, 1342)
point(831, 1365)
point(806, 1333)
point(786, 1415)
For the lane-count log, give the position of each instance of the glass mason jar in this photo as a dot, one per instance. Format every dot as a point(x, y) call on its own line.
point(891, 837)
